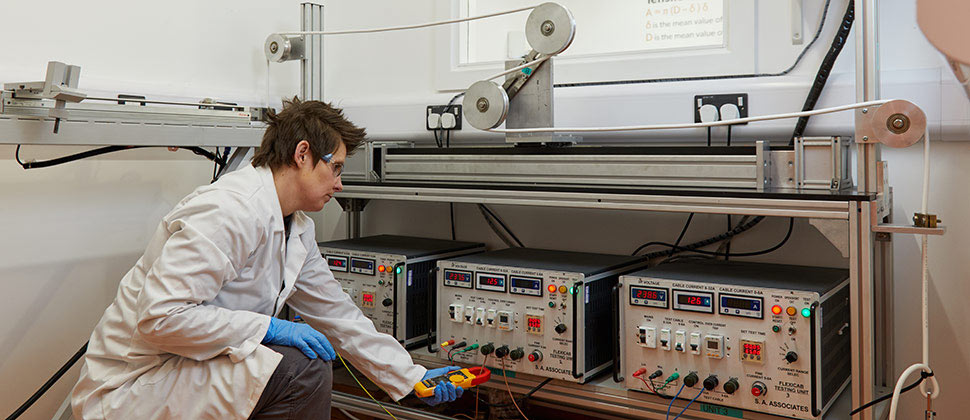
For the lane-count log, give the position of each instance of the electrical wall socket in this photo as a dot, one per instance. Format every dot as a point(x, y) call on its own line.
point(720, 100)
point(436, 113)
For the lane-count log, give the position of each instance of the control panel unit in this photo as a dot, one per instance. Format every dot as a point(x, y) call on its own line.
point(531, 311)
point(763, 337)
point(391, 279)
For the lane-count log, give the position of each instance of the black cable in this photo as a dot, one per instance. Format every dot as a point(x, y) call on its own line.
point(504, 226)
point(451, 209)
point(922, 375)
point(50, 382)
point(679, 237)
point(708, 136)
point(729, 136)
point(700, 244)
point(496, 229)
point(520, 400)
point(100, 151)
point(801, 55)
point(791, 224)
point(825, 68)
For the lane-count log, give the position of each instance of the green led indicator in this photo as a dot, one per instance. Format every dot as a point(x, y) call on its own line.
point(572, 290)
point(552, 304)
point(398, 270)
point(806, 312)
point(775, 328)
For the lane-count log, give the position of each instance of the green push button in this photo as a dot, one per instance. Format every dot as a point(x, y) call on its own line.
point(775, 328)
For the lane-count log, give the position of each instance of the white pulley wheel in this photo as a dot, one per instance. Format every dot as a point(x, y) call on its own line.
point(898, 123)
point(485, 105)
point(550, 28)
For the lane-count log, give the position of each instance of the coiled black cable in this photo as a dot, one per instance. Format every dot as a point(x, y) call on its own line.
point(824, 69)
point(104, 150)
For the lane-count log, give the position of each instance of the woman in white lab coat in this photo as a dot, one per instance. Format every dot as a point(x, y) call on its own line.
point(184, 337)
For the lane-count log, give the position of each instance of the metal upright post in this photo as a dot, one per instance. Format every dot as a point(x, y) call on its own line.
point(311, 71)
point(867, 89)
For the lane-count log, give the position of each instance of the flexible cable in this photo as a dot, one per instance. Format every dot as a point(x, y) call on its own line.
point(667, 417)
point(50, 382)
point(351, 372)
point(689, 403)
point(825, 68)
point(485, 360)
point(485, 210)
point(910, 387)
point(517, 68)
point(507, 387)
point(405, 27)
point(699, 244)
point(818, 32)
point(745, 120)
point(101, 151)
point(925, 365)
point(791, 224)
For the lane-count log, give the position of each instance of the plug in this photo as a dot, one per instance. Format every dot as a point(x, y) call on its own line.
point(639, 372)
point(434, 121)
point(448, 121)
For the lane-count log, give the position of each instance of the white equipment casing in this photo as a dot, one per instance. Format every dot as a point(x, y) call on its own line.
point(718, 319)
point(505, 300)
point(399, 299)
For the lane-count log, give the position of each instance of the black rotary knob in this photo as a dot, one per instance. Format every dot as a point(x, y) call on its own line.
point(710, 383)
point(691, 379)
point(387, 302)
point(502, 351)
point(791, 357)
point(517, 354)
point(731, 386)
point(561, 328)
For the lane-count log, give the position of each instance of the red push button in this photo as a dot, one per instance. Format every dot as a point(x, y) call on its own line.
point(758, 389)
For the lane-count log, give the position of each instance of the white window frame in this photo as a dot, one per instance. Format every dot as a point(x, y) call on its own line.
point(737, 56)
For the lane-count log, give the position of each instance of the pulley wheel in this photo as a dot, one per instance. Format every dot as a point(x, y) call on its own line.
point(550, 28)
point(898, 123)
point(485, 105)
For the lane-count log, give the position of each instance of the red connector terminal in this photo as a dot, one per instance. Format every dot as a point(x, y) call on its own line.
point(447, 343)
point(639, 372)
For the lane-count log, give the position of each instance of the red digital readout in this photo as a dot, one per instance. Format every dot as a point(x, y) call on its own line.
point(695, 300)
point(337, 263)
point(492, 281)
point(451, 275)
point(752, 349)
point(647, 294)
point(368, 298)
point(535, 323)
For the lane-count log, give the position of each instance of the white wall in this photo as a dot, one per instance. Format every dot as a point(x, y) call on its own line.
point(71, 232)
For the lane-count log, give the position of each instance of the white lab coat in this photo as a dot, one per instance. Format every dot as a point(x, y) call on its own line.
point(182, 338)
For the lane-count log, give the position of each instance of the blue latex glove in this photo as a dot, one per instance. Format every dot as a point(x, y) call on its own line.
point(445, 391)
point(301, 336)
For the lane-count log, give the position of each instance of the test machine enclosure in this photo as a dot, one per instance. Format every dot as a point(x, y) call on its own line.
point(398, 299)
point(554, 306)
point(778, 333)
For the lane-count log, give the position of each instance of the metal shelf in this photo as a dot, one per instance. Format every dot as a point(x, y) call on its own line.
point(716, 202)
point(40, 131)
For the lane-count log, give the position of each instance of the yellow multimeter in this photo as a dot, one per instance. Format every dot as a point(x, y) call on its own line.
point(465, 378)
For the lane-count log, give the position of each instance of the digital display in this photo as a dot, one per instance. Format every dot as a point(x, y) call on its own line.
point(368, 298)
point(337, 263)
point(712, 344)
point(492, 281)
point(488, 281)
point(648, 296)
point(694, 300)
point(749, 307)
point(362, 266)
point(752, 349)
point(535, 322)
point(526, 285)
point(458, 276)
point(739, 303)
